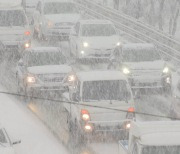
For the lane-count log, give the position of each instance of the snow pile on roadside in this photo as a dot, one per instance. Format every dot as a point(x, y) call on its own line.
point(22, 124)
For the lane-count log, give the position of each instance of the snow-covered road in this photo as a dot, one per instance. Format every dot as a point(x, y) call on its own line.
point(22, 124)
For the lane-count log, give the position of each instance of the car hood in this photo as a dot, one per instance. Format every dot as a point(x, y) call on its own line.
point(63, 18)
point(7, 150)
point(153, 65)
point(49, 69)
point(105, 42)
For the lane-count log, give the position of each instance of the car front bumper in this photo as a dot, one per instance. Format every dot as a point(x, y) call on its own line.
point(95, 53)
point(150, 81)
point(20, 45)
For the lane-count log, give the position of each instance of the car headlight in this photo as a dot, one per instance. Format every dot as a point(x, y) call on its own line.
point(30, 79)
point(50, 24)
point(118, 43)
point(85, 44)
point(166, 70)
point(126, 70)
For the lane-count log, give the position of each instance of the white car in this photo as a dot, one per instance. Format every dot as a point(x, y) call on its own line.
point(103, 103)
point(6, 145)
point(40, 69)
point(155, 137)
point(14, 27)
point(55, 18)
point(143, 66)
point(93, 39)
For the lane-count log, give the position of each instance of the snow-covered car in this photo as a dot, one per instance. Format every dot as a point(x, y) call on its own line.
point(6, 145)
point(14, 26)
point(156, 137)
point(55, 18)
point(103, 103)
point(143, 65)
point(93, 39)
point(42, 68)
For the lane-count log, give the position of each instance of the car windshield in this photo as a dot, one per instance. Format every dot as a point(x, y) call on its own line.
point(91, 30)
point(12, 18)
point(2, 137)
point(45, 58)
point(60, 8)
point(140, 55)
point(161, 150)
point(105, 90)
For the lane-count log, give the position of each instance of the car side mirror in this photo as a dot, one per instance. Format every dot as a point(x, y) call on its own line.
point(16, 142)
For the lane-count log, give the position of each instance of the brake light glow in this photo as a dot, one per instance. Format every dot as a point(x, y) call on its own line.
point(27, 33)
point(131, 109)
point(85, 115)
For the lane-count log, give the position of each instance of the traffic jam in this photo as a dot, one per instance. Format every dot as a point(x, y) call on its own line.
point(86, 81)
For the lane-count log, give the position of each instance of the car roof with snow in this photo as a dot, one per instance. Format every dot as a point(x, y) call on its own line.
point(137, 46)
point(43, 49)
point(95, 21)
point(100, 75)
point(157, 132)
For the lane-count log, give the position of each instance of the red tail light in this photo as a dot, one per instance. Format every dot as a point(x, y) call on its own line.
point(27, 33)
point(131, 109)
point(85, 115)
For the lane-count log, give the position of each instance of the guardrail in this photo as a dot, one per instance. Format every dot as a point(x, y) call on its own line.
point(169, 46)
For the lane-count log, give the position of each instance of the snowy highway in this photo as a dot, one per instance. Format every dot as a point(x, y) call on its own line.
point(149, 103)
point(46, 103)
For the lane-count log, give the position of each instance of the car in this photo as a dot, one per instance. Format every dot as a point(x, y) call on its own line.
point(155, 137)
point(93, 39)
point(102, 103)
point(6, 145)
point(14, 27)
point(143, 65)
point(53, 19)
point(41, 69)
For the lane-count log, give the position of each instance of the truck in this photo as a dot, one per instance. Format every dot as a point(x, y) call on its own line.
point(14, 27)
point(157, 137)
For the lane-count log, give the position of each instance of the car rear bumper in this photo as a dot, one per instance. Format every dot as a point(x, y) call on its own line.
point(59, 34)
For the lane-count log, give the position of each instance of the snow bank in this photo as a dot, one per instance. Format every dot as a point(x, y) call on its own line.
point(22, 124)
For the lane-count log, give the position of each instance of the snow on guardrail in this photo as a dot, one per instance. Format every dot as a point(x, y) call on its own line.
point(169, 46)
